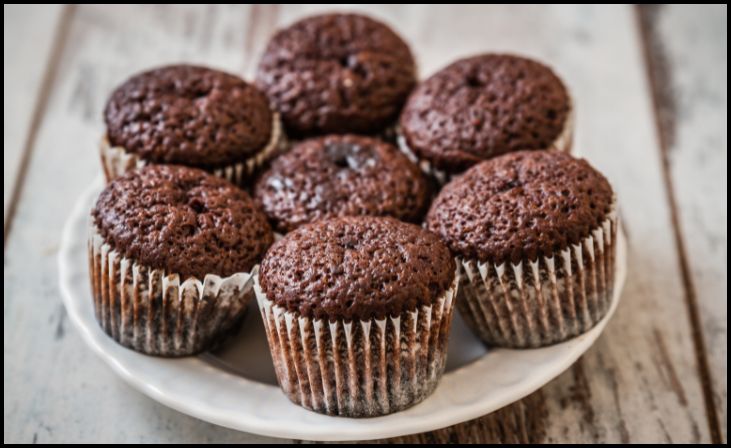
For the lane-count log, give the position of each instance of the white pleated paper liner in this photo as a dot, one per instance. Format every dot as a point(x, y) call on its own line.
point(153, 312)
point(545, 301)
point(116, 161)
point(361, 368)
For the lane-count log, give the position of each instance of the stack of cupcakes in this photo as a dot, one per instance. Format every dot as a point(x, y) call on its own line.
point(479, 206)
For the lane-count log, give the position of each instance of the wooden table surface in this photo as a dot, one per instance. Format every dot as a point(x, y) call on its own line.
point(650, 89)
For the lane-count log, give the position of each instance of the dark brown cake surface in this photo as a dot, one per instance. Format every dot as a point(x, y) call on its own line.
point(188, 115)
point(484, 106)
point(341, 175)
point(520, 206)
point(337, 73)
point(356, 268)
point(182, 220)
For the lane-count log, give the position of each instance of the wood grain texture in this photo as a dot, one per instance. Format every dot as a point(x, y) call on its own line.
point(522, 422)
point(28, 74)
point(686, 56)
point(640, 381)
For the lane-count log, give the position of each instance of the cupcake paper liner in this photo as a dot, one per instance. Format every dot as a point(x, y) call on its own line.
point(562, 143)
point(361, 368)
point(151, 311)
point(541, 302)
point(116, 161)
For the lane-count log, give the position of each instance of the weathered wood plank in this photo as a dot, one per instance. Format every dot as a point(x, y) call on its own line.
point(55, 388)
point(522, 422)
point(686, 51)
point(29, 32)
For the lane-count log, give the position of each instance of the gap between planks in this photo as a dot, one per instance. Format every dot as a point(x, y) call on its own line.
point(659, 83)
point(49, 77)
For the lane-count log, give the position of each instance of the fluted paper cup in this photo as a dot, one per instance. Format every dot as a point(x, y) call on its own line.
point(116, 160)
point(545, 301)
point(153, 312)
point(360, 368)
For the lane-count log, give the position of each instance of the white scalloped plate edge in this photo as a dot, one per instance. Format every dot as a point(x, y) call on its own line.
point(196, 388)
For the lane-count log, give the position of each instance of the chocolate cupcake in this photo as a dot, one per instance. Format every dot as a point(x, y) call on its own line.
point(482, 107)
point(337, 73)
point(534, 235)
point(357, 313)
point(192, 116)
point(171, 250)
point(344, 175)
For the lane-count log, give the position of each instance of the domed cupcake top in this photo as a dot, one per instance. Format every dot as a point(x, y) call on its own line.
point(182, 220)
point(337, 73)
point(484, 106)
point(341, 176)
point(521, 205)
point(356, 268)
point(188, 115)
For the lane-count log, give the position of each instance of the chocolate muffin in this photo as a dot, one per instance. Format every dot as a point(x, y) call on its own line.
point(482, 107)
point(188, 115)
point(171, 249)
point(367, 304)
point(337, 73)
point(534, 236)
point(344, 175)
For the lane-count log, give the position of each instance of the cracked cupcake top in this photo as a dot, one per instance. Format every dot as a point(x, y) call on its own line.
point(182, 220)
point(188, 115)
point(337, 73)
point(356, 268)
point(484, 106)
point(520, 206)
point(343, 175)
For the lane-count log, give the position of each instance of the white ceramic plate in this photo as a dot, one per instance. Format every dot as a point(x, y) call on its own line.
point(236, 387)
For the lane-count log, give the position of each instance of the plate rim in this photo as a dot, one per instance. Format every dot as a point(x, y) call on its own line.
point(272, 428)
